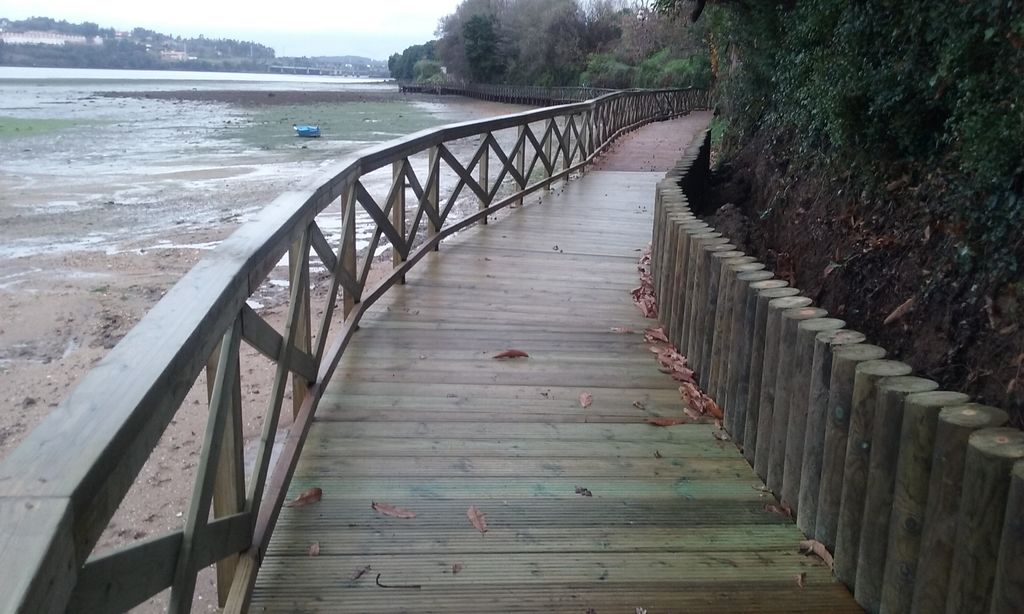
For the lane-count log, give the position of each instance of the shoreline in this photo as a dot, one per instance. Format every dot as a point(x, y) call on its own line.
point(280, 97)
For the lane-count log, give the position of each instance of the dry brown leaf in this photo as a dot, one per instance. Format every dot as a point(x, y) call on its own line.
point(655, 334)
point(819, 550)
point(665, 421)
point(621, 330)
point(800, 577)
point(586, 399)
point(456, 568)
point(314, 549)
point(584, 491)
point(639, 405)
point(512, 354)
point(392, 511)
point(657, 454)
point(782, 510)
point(900, 311)
point(359, 573)
point(829, 269)
point(306, 498)
point(712, 409)
point(477, 518)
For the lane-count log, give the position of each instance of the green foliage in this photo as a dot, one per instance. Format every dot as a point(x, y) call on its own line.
point(664, 70)
point(403, 66)
point(428, 70)
point(603, 43)
point(878, 90)
point(603, 70)
point(486, 64)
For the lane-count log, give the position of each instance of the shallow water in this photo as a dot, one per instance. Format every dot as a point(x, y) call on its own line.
point(119, 174)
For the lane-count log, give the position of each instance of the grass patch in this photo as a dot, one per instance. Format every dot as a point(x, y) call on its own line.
point(17, 127)
point(271, 128)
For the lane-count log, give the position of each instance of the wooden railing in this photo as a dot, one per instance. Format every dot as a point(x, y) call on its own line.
point(61, 486)
point(915, 493)
point(512, 94)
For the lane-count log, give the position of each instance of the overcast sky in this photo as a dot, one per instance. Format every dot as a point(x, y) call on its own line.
point(369, 28)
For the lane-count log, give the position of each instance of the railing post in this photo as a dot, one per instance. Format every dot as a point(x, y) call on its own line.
point(229, 481)
point(433, 191)
point(521, 161)
point(398, 209)
point(298, 259)
point(548, 150)
point(483, 174)
point(348, 244)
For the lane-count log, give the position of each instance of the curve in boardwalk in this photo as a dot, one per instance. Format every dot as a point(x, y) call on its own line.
point(420, 416)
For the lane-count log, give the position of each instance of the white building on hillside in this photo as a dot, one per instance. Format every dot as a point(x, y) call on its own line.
point(47, 38)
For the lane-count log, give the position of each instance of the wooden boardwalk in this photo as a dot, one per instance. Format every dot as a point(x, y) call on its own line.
point(421, 416)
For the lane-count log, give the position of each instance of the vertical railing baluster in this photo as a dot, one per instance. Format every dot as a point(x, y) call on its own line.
point(433, 191)
point(520, 161)
point(398, 210)
point(484, 173)
point(229, 482)
point(183, 587)
point(303, 336)
point(348, 245)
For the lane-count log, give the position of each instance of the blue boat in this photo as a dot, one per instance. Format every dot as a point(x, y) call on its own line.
point(307, 131)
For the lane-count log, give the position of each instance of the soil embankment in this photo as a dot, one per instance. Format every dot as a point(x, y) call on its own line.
point(884, 265)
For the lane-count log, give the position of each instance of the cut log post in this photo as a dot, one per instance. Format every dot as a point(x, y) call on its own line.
point(695, 288)
point(788, 323)
point(910, 494)
point(837, 427)
point(814, 433)
point(1008, 591)
point(733, 363)
point(756, 370)
point(739, 373)
point(724, 263)
point(799, 396)
point(674, 303)
point(686, 273)
point(706, 305)
point(769, 377)
point(663, 260)
point(955, 426)
point(858, 456)
point(670, 264)
point(991, 454)
point(718, 258)
point(878, 495)
point(723, 321)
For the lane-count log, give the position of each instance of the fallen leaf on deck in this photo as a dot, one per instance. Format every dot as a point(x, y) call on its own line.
point(314, 549)
point(800, 577)
point(664, 421)
point(584, 491)
point(900, 311)
point(586, 399)
point(721, 435)
point(456, 568)
point(359, 573)
point(639, 405)
point(782, 510)
point(477, 518)
point(391, 510)
point(655, 334)
point(306, 498)
point(641, 611)
point(621, 330)
point(819, 550)
point(512, 354)
point(657, 454)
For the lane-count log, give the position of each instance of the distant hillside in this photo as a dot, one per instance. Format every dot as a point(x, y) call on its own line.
point(47, 42)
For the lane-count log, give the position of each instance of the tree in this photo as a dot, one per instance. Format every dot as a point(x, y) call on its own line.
point(482, 53)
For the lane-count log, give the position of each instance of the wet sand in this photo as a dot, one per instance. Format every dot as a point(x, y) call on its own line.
point(257, 98)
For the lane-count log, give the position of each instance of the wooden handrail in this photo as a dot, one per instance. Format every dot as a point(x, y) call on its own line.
point(61, 486)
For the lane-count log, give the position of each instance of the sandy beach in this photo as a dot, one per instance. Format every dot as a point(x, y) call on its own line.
point(94, 231)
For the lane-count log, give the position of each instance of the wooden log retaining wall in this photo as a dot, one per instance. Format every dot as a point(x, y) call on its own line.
point(918, 494)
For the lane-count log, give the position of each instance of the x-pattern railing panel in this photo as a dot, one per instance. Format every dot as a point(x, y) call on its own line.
point(389, 197)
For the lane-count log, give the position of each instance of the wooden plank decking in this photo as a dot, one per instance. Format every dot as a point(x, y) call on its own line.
point(420, 416)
